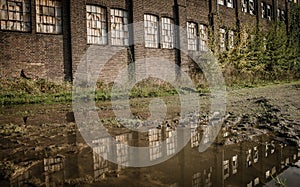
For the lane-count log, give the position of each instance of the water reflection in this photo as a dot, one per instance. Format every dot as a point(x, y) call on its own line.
point(248, 164)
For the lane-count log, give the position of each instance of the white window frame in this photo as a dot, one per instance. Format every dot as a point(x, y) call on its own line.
point(151, 31)
point(15, 15)
point(96, 25)
point(222, 39)
point(221, 2)
point(167, 33)
point(269, 12)
point(48, 16)
point(203, 37)
point(244, 5)
point(229, 3)
point(119, 27)
point(231, 39)
point(252, 7)
point(263, 10)
point(192, 36)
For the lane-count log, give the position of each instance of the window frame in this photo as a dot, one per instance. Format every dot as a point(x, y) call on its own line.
point(25, 12)
point(104, 22)
point(149, 43)
point(171, 32)
point(195, 38)
point(125, 29)
point(42, 16)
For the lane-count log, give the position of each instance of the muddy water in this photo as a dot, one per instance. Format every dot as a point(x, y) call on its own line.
point(51, 152)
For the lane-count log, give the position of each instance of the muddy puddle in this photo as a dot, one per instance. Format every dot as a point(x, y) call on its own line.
point(41, 146)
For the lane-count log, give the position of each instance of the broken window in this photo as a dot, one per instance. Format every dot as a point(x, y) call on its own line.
point(119, 27)
point(155, 144)
point(167, 33)
point(96, 25)
point(263, 10)
point(48, 16)
point(222, 39)
point(15, 15)
point(203, 42)
point(244, 5)
point(230, 39)
point(151, 31)
point(282, 15)
point(269, 12)
point(252, 7)
point(221, 2)
point(229, 3)
point(192, 36)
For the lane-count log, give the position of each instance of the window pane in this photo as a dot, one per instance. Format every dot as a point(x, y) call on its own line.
point(167, 33)
point(119, 27)
point(96, 25)
point(192, 36)
point(48, 16)
point(151, 31)
point(15, 15)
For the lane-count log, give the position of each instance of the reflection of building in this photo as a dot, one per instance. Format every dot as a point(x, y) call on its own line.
point(243, 164)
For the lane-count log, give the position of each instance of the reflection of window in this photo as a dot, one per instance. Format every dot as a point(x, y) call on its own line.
point(278, 14)
point(122, 150)
point(226, 169)
point(101, 147)
point(53, 164)
point(196, 179)
point(248, 158)
point(96, 25)
point(154, 144)
point(256, 181)
point(250, 184)
point(167, 31)
point(234, 164)
point(267, 148)
point(207, 175)
point(203, 38)
point(15, 15)
point(171, 141)
point(119, 27)
point(192, 36)
point(195, 137)
point(48, 16)
point(151, 30)
point(255, 156)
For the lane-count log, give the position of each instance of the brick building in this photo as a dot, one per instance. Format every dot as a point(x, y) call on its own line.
point(47, 38)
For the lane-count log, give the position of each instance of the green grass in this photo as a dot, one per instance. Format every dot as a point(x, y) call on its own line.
point(22, 91)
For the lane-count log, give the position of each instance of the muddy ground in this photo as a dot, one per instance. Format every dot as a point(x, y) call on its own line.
point(32, 132)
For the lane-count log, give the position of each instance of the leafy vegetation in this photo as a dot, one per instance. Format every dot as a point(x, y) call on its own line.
point(259, 56)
